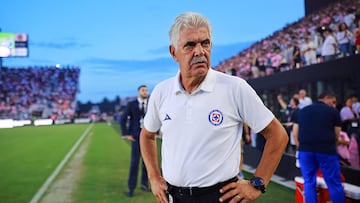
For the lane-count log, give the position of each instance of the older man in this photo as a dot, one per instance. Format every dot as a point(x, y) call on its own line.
point(201, 113)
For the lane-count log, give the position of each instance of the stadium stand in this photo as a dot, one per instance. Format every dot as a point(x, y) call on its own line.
point(276, 53)
point(38, 92)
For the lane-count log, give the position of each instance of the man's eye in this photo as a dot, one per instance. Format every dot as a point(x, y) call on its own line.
point(190, 44)
point(205, 43)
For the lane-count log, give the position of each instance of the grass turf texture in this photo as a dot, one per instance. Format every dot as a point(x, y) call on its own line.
point(30, 154)
point(106, 168)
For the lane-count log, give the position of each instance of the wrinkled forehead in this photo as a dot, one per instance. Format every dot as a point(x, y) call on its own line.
point(194, 32)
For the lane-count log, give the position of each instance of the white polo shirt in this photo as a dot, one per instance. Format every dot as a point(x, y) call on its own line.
point(202, 131)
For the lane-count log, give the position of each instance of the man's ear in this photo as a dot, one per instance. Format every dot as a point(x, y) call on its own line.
point(172, 52)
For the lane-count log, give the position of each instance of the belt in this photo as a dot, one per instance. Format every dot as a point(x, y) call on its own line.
point(197, 191)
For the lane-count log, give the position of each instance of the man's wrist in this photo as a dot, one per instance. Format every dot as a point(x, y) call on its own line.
point(258, 183)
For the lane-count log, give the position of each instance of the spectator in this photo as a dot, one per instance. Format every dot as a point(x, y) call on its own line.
point(296, 60)
point(342, 148)
point(246, 139)
point(357, 15)
point(276, 60)
point(349, 118)
point(344, 38)
point(262, 62)
point(308, 50)
point(351, 124)
point(354, 153)
point(304, 100)
point(269, 69)
point(349, 19)
point(356, 104)
point(357, 40)
point(329, 47)
point(255, 70)
point(291, 111)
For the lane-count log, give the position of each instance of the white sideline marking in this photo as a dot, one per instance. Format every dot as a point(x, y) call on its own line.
point(51, 178)
point(275, 178)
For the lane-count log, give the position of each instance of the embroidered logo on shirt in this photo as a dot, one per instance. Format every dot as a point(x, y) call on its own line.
point(167, 117)
point(216, 117)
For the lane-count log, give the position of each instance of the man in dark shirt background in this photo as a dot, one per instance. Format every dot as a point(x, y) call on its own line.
point(131, 123)
point(316, 130)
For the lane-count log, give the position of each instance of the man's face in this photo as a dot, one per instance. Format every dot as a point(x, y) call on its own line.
point(325, 33)
point(302, 93)
point(330, 101)
point(143, 92)
point(193, 52)
point(293, 104)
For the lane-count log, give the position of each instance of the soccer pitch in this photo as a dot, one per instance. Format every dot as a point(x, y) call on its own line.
point(30, 155)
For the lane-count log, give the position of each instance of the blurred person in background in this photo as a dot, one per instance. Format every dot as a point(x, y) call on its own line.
point(291, 111)
point(356, 103)
point(131, 122)
point(349, 117)
point(329, 47)
point(316, 131)
point(304, 100)
point(246, 139)
point(308, 50)
point(296, 60)
point(357, 40)
point(344, 38)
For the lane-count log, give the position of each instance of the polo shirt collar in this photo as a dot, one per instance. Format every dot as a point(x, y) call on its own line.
point(207, 85)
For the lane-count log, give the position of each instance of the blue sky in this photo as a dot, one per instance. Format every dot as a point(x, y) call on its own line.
point(121, 44)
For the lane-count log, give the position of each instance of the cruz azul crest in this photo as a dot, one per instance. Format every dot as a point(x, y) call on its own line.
point(216, 117)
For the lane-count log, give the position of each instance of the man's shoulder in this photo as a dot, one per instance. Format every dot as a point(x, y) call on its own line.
point(164, 87)
point(133, 101)
point(220, 76)
point(166, 82)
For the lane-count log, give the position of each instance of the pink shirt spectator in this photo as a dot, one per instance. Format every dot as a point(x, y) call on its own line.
point(343, 150)
point(276, 60)
point(354, 153)
point(347, 113)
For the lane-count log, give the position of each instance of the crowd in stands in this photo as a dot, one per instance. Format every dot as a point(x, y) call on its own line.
point(41, 92)
point(330, 33)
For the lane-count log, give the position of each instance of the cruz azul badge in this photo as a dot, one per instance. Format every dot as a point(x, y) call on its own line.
point(216, 117)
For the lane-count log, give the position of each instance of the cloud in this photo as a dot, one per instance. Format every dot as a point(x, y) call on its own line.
point(219, 52)
point(160, 50)
point(66, 43)
point(131, 65)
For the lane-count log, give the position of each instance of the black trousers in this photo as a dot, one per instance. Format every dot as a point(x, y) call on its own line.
point(210, 197)
point(134, 167)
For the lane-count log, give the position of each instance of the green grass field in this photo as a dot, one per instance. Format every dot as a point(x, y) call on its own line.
point(30, 154)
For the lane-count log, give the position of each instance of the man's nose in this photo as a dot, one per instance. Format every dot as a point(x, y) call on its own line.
point(198, 50)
